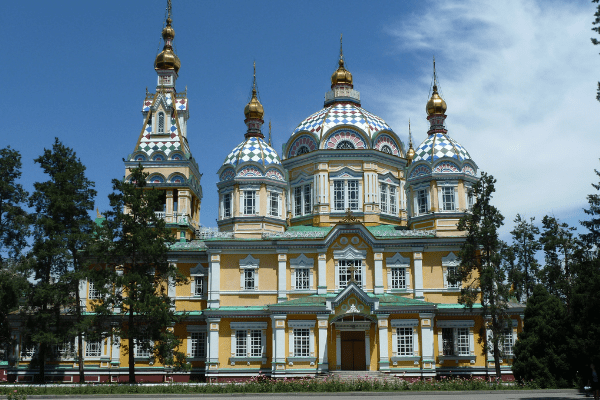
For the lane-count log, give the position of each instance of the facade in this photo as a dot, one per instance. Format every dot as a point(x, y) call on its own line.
point(331, 255)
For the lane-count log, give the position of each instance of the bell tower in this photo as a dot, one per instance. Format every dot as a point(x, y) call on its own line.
point(162, 145)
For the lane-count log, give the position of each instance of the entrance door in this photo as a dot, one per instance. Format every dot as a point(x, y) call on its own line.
point(353, 351)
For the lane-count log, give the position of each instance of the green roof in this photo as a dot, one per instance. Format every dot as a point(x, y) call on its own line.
point(306, 301)
point(194, 245)
point(456, 306)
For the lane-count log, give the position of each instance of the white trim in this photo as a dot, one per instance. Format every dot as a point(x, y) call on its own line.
point(401, 323)
point(462, 323)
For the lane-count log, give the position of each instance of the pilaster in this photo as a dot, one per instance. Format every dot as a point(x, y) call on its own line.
point(278, 354)
point(322, 272)
point(378, 256)
point(427, 352)
point(418, 269)
point(281, 275)
point(384, 357)
point(214, 279)
point(322, 324)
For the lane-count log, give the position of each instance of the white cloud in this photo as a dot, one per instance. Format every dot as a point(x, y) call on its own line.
point(519, 78)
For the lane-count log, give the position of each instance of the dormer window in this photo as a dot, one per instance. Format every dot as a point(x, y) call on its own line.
point(161, 122)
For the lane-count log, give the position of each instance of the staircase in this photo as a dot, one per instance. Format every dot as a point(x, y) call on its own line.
point(349, 376)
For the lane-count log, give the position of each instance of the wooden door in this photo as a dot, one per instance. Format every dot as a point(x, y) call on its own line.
point(353, 351)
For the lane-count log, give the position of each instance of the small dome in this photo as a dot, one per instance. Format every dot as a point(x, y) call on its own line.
point(167, 59)
point(410, 154)
point(253, 149)
point(341, 75)
point(254, 110)
point(436, 105)
point(439, 145)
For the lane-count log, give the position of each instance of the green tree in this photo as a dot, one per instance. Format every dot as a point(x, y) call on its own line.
point(594, 40)
point(14, 228)
point(483, 268)
point(133, 248)
point(542, 351)
point(526, 246)
point(62, 233)
point(593, 224)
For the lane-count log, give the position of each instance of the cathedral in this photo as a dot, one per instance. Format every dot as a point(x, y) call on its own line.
point(332, 254)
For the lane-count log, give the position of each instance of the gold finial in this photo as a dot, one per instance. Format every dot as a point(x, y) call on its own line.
point(167, 59)
point(435, 105)
point(254, 110)
point(341, 75)
point(410, 154)
point(270, 133)
point(169, 9)
point(98, 215)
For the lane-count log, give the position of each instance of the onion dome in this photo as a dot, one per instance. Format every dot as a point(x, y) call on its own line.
point(440, 145)
point(436, 105)
point(410, 154)
point(341, 75)
point(253, 149)
point(254, 110)
point(167, 59)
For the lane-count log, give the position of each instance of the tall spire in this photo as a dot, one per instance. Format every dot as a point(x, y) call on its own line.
point(341, 50)
point(436, 108)
point(167, 63)
point(254, 111)
point(270, 133)
point(410, 154)
point(341, 76)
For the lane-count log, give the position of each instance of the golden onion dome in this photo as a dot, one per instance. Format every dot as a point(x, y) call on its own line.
point(254, 110)
point(341, 75)
point(167, 59)
point(410, 154)
point(436, 105)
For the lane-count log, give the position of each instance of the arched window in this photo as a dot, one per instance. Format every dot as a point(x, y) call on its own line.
point(302, 150)
point(161, 122)
point(345, 145)
point(386, 149)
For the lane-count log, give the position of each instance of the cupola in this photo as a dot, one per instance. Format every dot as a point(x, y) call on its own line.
point(167, 59)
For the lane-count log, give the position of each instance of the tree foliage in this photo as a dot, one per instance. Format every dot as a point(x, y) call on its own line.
point(525, 245)
point(135, 275)
point(62, 232)
point(595, 41)
point(482, 266)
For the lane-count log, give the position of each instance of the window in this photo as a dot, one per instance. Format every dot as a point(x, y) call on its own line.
point(405, 342)
point(448, 198)
point(422, 204)
point(386, 149)
point(241, 349)
point(345, 145)
point(274, 204)
point(93, 348)
point(508, 340)
point(301, 342)
point(93, 292)
point(349, 269)
point(345, 195)
point(142, 348)
point(198, 286)
point(450, 265)
point(64, 349)
point(249, 199)
point(302, 150)
point(27, 348)
point(249, 343)
point(227, 205)
point(302, 200)
point(198, 345)
point(462, 341)
point(448, 341)
point(249, 273)
point(161, 122)
point(398, 278)
point(470, 197)
point(302, 278)
point(255, 343)
point(249, 283)
point(388, 199)
point(451, 271)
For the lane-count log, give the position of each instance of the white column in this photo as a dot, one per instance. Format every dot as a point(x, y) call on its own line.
point(418, 267)
point(323, 324)
point(212, 343)
point(368, 350)
point(115, 350)
point(278, 355)
point(214, 279)
point(427, 348)
point(322, 188)
point(322, 272)
point(378, 289)
point(384, 358)
point(370, 187)
point(338, 350)
point(171, 291)
point(281, 275)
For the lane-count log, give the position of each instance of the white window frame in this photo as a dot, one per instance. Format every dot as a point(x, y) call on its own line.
point(449, 188)
point(249, 193)
point(274, 197)
point(249, 269)
point(509, 338)
point(405, 326)
point(296, 327)
point(93, 350)
point(469, 199)
point(302, 192)
point(421, 193)
point(397, 262)
point(354, 255)
point(449, 263)
point(93, 293)
point(462, 336)
point(247, 348)
point(302, 263)
point(198, 272)
point(196, 342)
point(139, 352)
point(387, 204)
point(161, 117)
point(227, 212)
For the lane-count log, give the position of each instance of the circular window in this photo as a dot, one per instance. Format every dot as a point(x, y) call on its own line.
point(345, 145)
point(386, 149)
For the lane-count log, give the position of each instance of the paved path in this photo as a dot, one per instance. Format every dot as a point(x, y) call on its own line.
point(467, 395)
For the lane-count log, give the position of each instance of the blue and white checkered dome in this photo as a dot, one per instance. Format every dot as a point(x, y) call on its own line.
point(253, 149)
point(437, 146)
point(339, 114)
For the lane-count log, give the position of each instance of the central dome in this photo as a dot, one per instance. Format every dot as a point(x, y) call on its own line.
point(340, 115)
point(253, 149)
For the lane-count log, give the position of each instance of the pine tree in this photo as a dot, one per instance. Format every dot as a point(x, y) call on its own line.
point(542, 351)
point(526, 246)
point(62, 232)
point(593, 224)
point(133, 249)
point(483, 268)
point(594, 40)
point(14, 228)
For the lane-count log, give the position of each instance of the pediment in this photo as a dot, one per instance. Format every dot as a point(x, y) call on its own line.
point(451, 260)
point(353, 300)
point(349, 253)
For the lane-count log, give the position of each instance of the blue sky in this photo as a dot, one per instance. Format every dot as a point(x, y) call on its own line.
point(519, 78)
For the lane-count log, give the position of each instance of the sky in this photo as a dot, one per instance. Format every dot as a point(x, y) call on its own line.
point(519, 79)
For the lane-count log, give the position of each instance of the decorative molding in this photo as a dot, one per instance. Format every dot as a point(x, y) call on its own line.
point(349, 253)
point(451, 260)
